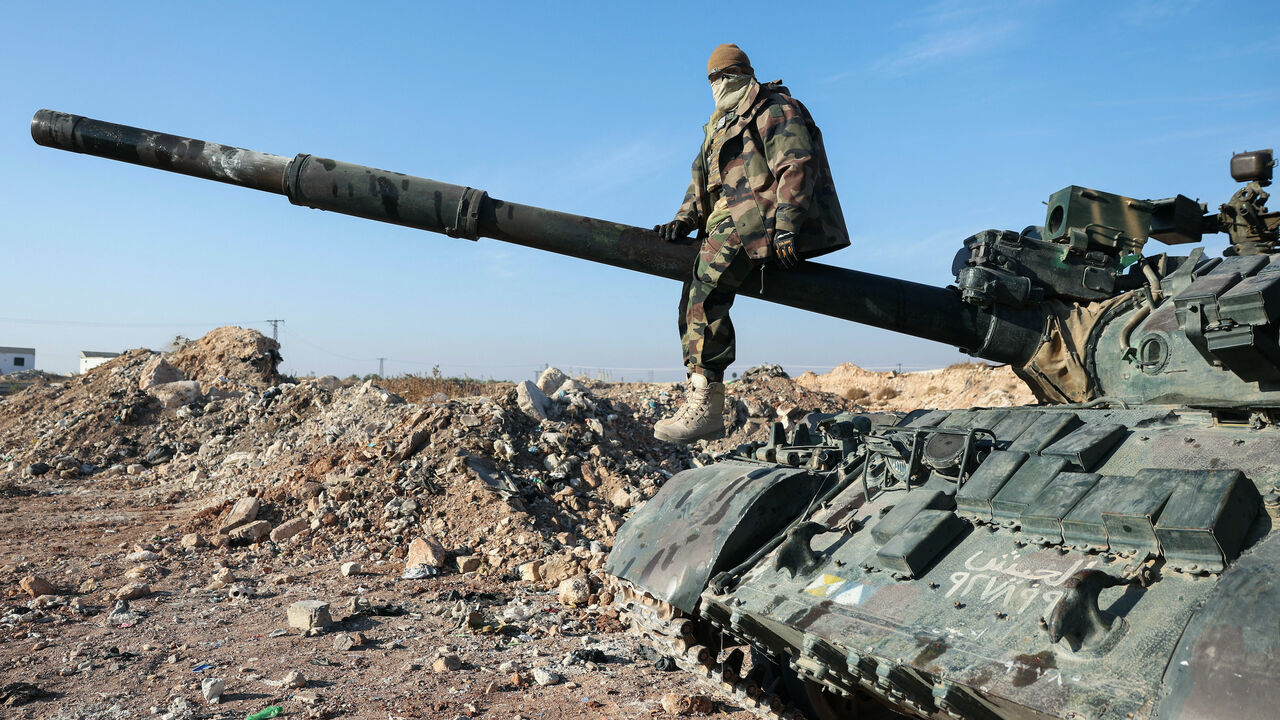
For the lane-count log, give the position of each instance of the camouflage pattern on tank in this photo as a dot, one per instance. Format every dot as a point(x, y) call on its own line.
point(1112, 553)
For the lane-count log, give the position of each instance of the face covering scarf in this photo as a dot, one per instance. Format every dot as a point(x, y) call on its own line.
point(729, 90)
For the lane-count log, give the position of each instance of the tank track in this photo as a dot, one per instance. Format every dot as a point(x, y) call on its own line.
point(700, 649)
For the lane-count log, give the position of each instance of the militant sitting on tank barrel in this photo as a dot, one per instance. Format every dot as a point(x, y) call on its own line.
point(1109, 553)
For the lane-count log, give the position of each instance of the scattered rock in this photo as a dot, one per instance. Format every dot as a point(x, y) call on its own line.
point(142, 556)
point(569, 386)
point(419, 572)
point(620, 499)
point(532, 401)
point(545, 676)
point(309, 615)
point(310, 490)
point(20, 693)
point(342, 642)
point(251, 532)
point(412, 443)
point(158, 455)
point(132, 591)
point(193, 540)
point(425, 551)
point(575, 591)
point(212, 689)
point(446, 663)
point(551, 379)
point(158, 371)
point(121, 615)
point(469, 563)
point(350, 568)
point(176, 394)
point(531, 571)
point(35, 586)
point(328, 382)
point(294, 679)
point(558, 568)
point(289, 528)
point(222, 577)
point(243, 512)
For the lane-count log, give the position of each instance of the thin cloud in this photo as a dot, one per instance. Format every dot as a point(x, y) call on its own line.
point(1147, 12)
point(951, 12)
point(1212, 98)
point(837, 77)
point(619, 165)
point(498, 263)
point(1193, 133)
point(951, 29)
point(945, 46)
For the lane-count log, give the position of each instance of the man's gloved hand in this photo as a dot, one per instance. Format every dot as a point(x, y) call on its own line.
point(674, 231)
point(784, 247)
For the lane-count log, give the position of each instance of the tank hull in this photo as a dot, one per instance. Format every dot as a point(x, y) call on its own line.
point(966, 627)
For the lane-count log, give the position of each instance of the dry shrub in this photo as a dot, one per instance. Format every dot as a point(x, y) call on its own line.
point(886, 393)
point(856, 393)
point(417, 388)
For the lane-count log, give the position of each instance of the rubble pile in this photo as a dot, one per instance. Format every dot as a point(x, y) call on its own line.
point(962, 385)
point(543, 473)
point(229, 356)
point(197, 526)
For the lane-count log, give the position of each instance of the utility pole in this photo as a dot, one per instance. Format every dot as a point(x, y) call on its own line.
point(275, 329)
point(380, 361)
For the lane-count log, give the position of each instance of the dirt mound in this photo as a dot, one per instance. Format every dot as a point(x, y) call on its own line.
point(229, 357)
point(961, 385)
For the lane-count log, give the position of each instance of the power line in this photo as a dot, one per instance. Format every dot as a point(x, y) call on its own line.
point(92, 323)
point(294, 336)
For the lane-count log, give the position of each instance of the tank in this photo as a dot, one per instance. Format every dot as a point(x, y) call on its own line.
point(1110, 552)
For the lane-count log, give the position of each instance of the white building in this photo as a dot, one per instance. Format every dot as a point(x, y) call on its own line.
point(90, 359)
point(16, 359)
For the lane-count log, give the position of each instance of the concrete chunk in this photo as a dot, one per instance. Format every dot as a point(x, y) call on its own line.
point(289, 528)
point(309, 614)
point(532, 401)
point(251, 532)
point(243, 512)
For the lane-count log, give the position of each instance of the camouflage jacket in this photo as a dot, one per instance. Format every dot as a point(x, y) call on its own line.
point(774, 176)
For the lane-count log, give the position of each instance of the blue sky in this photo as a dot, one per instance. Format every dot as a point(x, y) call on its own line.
point(940, 119)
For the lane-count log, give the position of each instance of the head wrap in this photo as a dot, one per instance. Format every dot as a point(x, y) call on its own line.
point(728, 55)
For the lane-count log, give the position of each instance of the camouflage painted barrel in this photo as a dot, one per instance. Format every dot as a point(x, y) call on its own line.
point(899, 305)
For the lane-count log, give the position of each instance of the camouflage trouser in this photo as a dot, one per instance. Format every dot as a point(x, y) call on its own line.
point(706, 332)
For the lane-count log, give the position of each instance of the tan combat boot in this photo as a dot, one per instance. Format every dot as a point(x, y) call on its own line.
point(700, 418)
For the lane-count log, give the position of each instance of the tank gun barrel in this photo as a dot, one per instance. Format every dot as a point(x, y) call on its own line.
point(912, 308)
